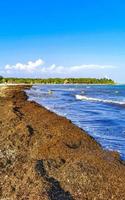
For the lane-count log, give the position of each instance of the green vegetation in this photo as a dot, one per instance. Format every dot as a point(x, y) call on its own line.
point(57, 80)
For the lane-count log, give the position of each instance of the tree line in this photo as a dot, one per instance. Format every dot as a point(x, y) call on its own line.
point(57, 80)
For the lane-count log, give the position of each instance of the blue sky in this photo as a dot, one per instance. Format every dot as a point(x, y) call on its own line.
point(52, 38)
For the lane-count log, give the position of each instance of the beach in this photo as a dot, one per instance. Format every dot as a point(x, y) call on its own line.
point(45, 156)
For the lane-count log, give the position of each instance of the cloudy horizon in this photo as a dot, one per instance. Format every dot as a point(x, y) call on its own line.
point(38, 68)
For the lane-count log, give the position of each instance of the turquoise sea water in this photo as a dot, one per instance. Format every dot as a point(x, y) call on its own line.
point(98, 109)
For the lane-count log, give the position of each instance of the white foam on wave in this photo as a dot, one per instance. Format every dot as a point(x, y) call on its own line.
point(82, 97)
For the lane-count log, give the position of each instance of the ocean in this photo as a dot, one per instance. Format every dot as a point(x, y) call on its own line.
point(98, 109)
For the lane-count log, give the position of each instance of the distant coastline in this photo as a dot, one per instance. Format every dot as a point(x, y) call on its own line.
point(57, 81)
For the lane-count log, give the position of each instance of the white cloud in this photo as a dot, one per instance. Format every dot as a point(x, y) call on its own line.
point(28, 67)
point(69, 71)
point(78, 67)
point(38, 69)
point(81, 67)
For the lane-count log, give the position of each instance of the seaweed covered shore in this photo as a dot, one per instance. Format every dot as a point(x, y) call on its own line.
point(45, 157)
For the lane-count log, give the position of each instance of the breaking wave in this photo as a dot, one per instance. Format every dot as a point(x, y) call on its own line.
point(82, 97)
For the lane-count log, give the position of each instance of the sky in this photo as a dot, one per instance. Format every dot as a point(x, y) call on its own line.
point(66, 38)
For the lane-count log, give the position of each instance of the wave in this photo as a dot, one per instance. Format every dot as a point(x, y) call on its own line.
point(81, 97)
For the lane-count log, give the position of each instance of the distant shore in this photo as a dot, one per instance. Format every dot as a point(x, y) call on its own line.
point(44, 156)
point(25, 84)
point(57, 80)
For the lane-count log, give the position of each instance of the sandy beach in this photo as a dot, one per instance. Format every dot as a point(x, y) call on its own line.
point(45, 157)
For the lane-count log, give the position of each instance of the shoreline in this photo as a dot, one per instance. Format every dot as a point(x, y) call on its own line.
point(45, 156)
point(25, 84)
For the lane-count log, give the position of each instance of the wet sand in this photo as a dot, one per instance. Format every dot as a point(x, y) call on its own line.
point(45, 157)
